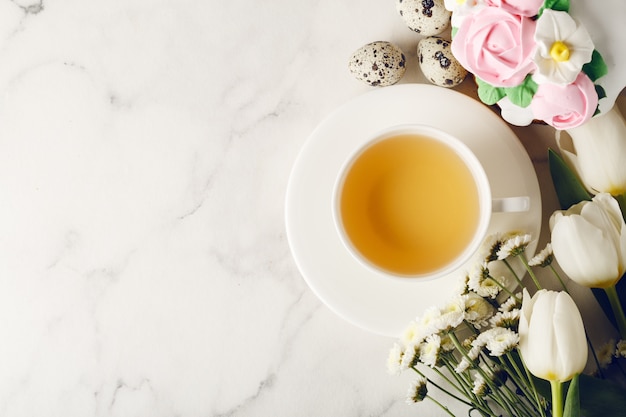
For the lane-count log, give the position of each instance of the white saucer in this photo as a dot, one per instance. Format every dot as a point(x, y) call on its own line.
point(355, 293)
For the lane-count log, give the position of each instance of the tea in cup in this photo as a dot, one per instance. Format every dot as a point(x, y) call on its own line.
point(415, 202)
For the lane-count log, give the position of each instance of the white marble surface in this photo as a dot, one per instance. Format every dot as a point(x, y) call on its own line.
point(145, 148)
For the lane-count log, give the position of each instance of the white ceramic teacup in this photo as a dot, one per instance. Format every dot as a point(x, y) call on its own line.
point(415, 202)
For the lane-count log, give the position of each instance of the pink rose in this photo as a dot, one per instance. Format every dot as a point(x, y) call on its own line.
point(496, 46)
point(528, 8)
point(565, 106)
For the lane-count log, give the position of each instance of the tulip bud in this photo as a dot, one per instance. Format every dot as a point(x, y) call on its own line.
point(552, 336)
point(599, 152)
point(589, 241)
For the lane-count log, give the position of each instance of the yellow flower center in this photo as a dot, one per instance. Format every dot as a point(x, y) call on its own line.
point(460, 1)
point(559, 52)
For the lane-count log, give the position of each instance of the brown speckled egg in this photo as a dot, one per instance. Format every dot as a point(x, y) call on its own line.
point(378, 63)
point(438, 64)
point(427, 17)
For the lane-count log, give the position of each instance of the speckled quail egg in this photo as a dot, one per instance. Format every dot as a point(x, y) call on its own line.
point(437, 62)
point(378, 63)
point(427, 17)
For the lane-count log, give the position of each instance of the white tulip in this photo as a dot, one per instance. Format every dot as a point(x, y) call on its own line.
point(589, 241)
point(599, 152)
point(552, 336)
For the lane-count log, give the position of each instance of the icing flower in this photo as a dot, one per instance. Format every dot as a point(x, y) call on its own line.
point(563, 47)
point(461, 9)
point(528, 8)
point(496, 46)
point(565, 106)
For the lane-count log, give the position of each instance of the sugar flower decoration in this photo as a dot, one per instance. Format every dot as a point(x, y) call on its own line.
point(563, 47)
point(417, 390)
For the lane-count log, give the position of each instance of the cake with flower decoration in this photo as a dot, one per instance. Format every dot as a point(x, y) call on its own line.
point(561, 62)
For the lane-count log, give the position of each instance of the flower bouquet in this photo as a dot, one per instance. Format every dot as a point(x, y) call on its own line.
point(504, 345)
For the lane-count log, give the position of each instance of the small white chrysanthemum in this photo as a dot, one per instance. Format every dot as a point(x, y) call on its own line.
point(620, 349)
point(463, 365)
point(447, 345)
point(514, 246)
point(429, 321)
point(477, 309)
point(480, 386)
point(506, 319)
point(417, 390)
point(605, 353)
point(488, 250)
point(563, 47)
point(429, 350)
point(543, 258)
point(511, 303)
point(410, 357)
point(394, 360)
point(461, 287)
point(499, 340)
point(451, 315)
point(412, 334)
point(483, 284)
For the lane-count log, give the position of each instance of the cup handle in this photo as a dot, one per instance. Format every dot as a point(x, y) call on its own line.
point(510, 204)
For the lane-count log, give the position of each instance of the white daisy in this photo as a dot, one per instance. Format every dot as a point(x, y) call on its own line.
point(410, 357)
point(489, 248)
point(417, 390)
point(514, 246)
point(543, 258)
point(563, 47)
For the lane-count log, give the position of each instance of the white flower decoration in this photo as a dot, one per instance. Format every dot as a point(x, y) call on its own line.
point(543, 258)
point(563, 47)
point(461, 9)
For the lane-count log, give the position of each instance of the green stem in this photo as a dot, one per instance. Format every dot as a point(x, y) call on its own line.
point(534, 388)
point(558, 276)
point(510, 268)
point(433, 383)
point(618, 312)
point(443, 407)
point(530, 271)
point(557, 398)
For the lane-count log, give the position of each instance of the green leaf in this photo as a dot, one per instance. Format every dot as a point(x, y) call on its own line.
point(453, 32)
point(523, 94)
point(600, 91)
point(601, 397)
point(595, 68)
point(560, 5)
point(489, 94)
point(569, 189)
point(572, 401)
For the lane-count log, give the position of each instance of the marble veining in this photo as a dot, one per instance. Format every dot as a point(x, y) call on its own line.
point(145, 148)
